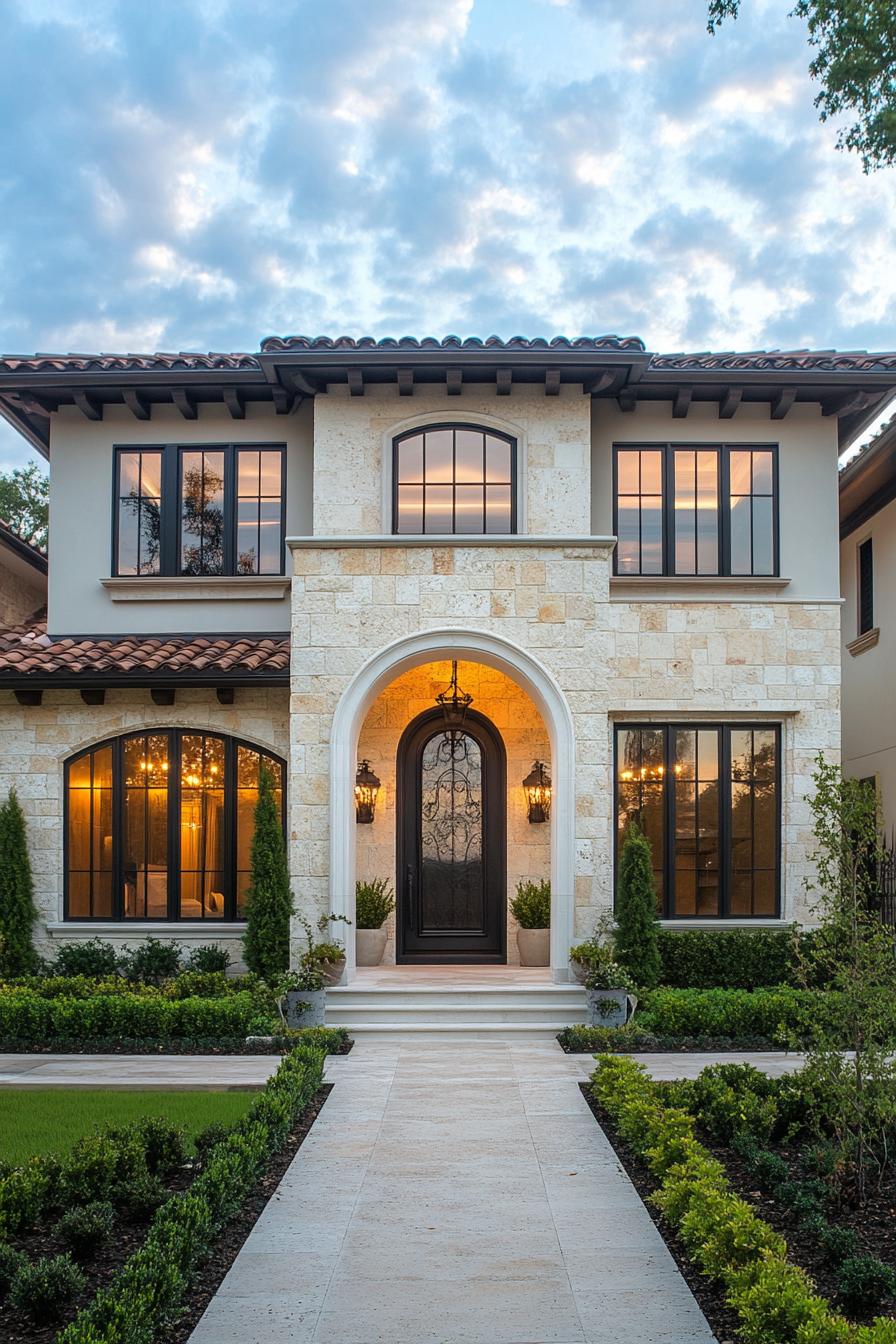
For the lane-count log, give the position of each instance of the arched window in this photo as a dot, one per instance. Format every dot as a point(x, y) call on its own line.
point(159, 825)
point(454, 479)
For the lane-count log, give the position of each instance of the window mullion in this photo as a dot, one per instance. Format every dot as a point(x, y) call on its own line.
point(230, 510)
point(171, 505)
point(724, 510)
point(667, 511)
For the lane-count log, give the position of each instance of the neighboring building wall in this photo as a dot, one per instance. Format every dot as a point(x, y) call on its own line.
point(525, 739)
point(353, 453)
point(81, 511)
point(35, 742)
point(22, 591)
point(869, 698)
point(807, 470)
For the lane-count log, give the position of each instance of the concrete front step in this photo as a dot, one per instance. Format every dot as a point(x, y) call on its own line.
point(543, 1009)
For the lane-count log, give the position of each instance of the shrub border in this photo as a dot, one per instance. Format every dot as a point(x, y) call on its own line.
point(148, 1291)
point(774, 1300)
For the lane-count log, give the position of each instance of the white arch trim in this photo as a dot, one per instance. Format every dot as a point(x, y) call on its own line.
point(534, 678)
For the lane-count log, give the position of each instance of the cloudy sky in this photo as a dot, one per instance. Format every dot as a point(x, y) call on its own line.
point(198, 174)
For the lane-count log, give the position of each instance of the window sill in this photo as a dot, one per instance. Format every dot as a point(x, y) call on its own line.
point(671, 586)
point(733, 922)
point(141, 927)
point(180, 588)
point(866, 641)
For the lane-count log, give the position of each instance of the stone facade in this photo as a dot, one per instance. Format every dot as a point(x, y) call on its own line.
point(36, 741)
point(22, 593)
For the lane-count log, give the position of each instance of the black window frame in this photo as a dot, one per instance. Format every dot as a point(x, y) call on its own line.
point(229, 871)
point(171, 501)
point(456, 425)
point(724, 728)
point(724, 450)
point(865, 586)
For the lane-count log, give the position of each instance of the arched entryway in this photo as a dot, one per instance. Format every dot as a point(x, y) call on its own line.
point(450, 876)
point(538, 683)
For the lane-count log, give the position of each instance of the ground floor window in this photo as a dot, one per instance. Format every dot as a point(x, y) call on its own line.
point(159, 825)
point(707, 796)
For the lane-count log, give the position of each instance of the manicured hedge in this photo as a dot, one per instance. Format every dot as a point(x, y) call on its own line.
point(733, 958)
point(739, 1014)
point(774, 1300)
point(146, 1294)
point(27, 1016)
point(630, 1039)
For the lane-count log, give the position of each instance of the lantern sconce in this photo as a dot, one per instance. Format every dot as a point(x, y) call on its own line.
point(537, 788)
point(367, 786)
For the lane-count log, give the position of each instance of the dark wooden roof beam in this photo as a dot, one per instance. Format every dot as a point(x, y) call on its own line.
point(88, 405)
point(185, 402)
point(162, 695)
point(552, 382)
point(28, 695)
point(225, 694)
point(233, 400)
point(453, 381)
point(355, 382)
point(504, 382)
point(782, 401)
point(845, 405)
point(138, 405)
point(299, 382)
point(405, 379)
point(682, 402)
point(93, 695)
point(284, 401)
point(607, 382)
point(626, 399)
point(731, 399)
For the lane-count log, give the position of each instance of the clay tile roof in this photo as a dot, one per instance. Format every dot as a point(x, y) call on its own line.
point(798, 361)
point(72, 363)
point(27, 652)
point(273, 344)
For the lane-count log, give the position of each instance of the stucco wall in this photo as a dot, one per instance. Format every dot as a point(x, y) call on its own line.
point(81, 484)
point(353, 455)
point(35, 742)
point(807, 475)
point(869, 698)
point(525, 740)
point(612, 659)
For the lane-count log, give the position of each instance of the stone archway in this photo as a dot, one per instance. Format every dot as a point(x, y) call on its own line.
point(539, 684)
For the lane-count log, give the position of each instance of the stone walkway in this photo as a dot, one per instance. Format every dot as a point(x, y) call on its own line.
point(458, 1193)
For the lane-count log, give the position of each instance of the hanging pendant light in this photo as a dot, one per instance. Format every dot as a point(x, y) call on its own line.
point(453, 701)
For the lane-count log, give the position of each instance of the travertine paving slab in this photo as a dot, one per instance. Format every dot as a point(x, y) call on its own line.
point(455, 1194)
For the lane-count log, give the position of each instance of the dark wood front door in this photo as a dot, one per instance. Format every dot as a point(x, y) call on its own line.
point(451, 841)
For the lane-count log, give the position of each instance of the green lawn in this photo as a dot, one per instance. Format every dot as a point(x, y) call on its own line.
point(50, 1121)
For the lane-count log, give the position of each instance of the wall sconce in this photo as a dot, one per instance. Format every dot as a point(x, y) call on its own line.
point(537, 787)
point(367, 786)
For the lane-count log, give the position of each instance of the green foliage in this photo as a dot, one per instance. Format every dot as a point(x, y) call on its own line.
point(209, 959)
point(25, 503)
point(42, 1290)
point(86, 1228)
point(731, 958)
point(17, 909)
point(90, 958)
point(732, 1099)
point(605, 972)
point(27, 1017)
point(854, 42)
point(588, 952)
point(11, 1262)
point(269, 899)
point(781, 1015)
point(151, 962)
point(146, 1294)
point(838, 1243)
point(531, 906)
point(374, 903)
point(864, 1283)
point(636, 930)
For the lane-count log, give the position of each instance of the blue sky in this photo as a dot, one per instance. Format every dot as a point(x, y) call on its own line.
point(197, 174)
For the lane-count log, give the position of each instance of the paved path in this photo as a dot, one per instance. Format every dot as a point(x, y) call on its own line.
point(454, 1194)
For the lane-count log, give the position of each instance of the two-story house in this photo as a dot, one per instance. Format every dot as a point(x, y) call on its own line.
point(314, 556)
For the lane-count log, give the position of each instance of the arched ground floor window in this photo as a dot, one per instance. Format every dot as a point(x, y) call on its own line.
point(159, 825)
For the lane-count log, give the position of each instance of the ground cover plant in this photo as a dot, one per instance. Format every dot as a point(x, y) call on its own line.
point(101, 1245)
point(39, 1121)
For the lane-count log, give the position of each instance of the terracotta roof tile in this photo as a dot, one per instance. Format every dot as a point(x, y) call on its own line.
point(275, 344)
point(806, 361)
point(28, 652)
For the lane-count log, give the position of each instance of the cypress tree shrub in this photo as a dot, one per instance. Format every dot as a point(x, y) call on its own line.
point(637, 947)
point(17, 909)
point(269, 899)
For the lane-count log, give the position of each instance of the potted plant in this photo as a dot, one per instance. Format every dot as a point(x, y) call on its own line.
point(374, 903)
point(609, 987)
point(531, 908)
point(582, 956)
point(328, 957)
point(302, 996)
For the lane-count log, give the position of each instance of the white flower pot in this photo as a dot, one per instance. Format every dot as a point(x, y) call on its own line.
point(305, 1007)
point(370, 944)
point(610, 1007)
point(534, 946)
point(332, 971)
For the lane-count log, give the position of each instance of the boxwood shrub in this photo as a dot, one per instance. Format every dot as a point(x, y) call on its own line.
point(147, 1292)
point(732, 958)
point(28, 1016)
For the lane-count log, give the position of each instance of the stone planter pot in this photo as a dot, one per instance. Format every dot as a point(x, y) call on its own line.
point(578, 970)
point(610, 1007)
point(370, 944)
point(534, 946)
point(305, 1007)
point(332, 971)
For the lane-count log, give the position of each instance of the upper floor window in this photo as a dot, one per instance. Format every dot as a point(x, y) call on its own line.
point(866, 587)
point(159, 825)
point(696, 510)
point(454, 479)
point(199, 510)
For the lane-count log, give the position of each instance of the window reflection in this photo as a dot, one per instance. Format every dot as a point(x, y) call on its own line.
point(202, 512)
point(139, 512)
point(454, 481)
point(639, 475)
